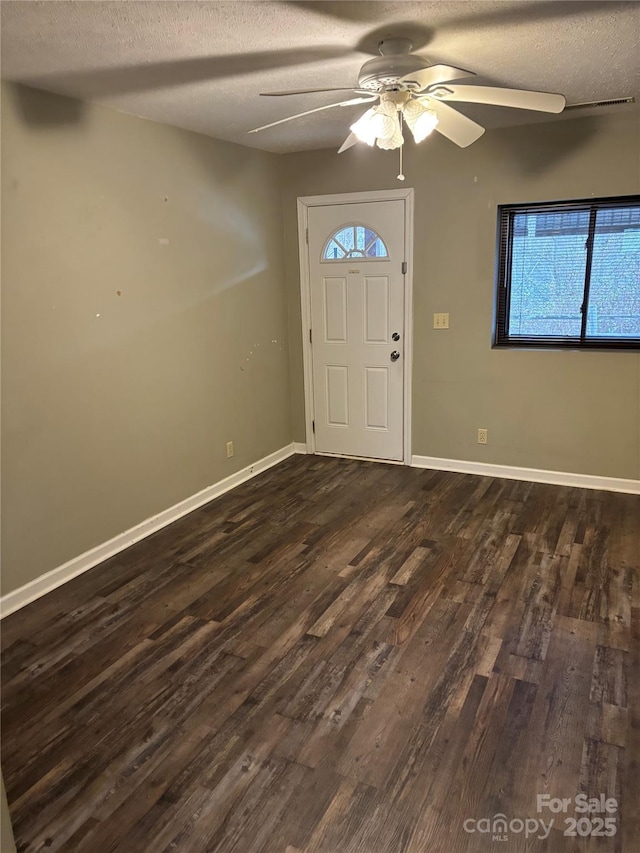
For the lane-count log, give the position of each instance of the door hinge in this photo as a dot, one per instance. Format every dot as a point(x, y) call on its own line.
point(310, 336)
point(306, 233)
point(313, 426)
point(404, 267)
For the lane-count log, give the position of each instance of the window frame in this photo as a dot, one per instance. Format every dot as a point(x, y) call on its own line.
point(505, 230)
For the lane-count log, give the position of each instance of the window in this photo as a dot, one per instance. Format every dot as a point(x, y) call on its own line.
point(354, 241)
point(569, 274)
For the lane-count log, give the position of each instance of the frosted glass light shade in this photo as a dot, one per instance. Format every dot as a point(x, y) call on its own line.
point(393, 140)
point(364, 128)
point(420, 118)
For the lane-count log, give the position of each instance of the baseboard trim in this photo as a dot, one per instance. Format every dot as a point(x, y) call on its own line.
point(532, 475)
point(24, 595)
point(299, 447)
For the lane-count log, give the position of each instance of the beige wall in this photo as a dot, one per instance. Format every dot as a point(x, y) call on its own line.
point(118, 406)
point(565, 411)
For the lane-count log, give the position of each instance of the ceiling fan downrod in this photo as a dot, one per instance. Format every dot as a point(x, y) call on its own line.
point(394, 46)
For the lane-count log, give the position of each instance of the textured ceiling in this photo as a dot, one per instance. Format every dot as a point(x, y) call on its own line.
point(202, 65)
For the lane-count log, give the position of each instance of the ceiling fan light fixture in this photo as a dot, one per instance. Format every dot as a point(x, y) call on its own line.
point(379, 123)
point(421, 119)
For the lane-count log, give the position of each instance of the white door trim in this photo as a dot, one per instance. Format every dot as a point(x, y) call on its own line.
point(304, 203)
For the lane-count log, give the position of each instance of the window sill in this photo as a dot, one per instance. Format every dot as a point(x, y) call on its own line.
point(571, 346)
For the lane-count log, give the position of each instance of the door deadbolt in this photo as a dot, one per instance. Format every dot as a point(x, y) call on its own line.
point(395, 355)
point(395, 336)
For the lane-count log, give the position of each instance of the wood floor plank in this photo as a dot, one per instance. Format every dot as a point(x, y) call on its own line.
point(336, 656)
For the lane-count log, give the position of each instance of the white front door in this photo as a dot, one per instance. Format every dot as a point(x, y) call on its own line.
point(356, 276)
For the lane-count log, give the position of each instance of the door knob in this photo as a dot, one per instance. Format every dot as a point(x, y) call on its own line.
point(395, 355)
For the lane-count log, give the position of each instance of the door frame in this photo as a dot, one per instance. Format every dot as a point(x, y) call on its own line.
point(306, 202)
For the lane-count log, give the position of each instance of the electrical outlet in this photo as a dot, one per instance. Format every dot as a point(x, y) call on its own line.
point(440, 321)
point(483, 436)
point(229, 449)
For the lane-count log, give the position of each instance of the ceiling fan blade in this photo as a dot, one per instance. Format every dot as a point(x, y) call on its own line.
point(520, 99)
point(316, 110)
point(452, 124)
point(349, 142)
point(434, 74)
point(308, 91)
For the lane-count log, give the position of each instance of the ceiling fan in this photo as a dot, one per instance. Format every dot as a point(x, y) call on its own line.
point(404, 88)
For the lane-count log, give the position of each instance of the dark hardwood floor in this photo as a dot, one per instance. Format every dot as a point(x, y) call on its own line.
point(337, 656)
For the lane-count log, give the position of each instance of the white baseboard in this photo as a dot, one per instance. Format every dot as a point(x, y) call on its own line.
point(56, 577)
point(532, 475)
point(299, 447)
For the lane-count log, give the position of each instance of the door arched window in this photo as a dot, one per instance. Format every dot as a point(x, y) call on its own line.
point(354, 241)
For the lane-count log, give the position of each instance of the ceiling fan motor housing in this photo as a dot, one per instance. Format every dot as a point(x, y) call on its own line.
point(388, 69)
